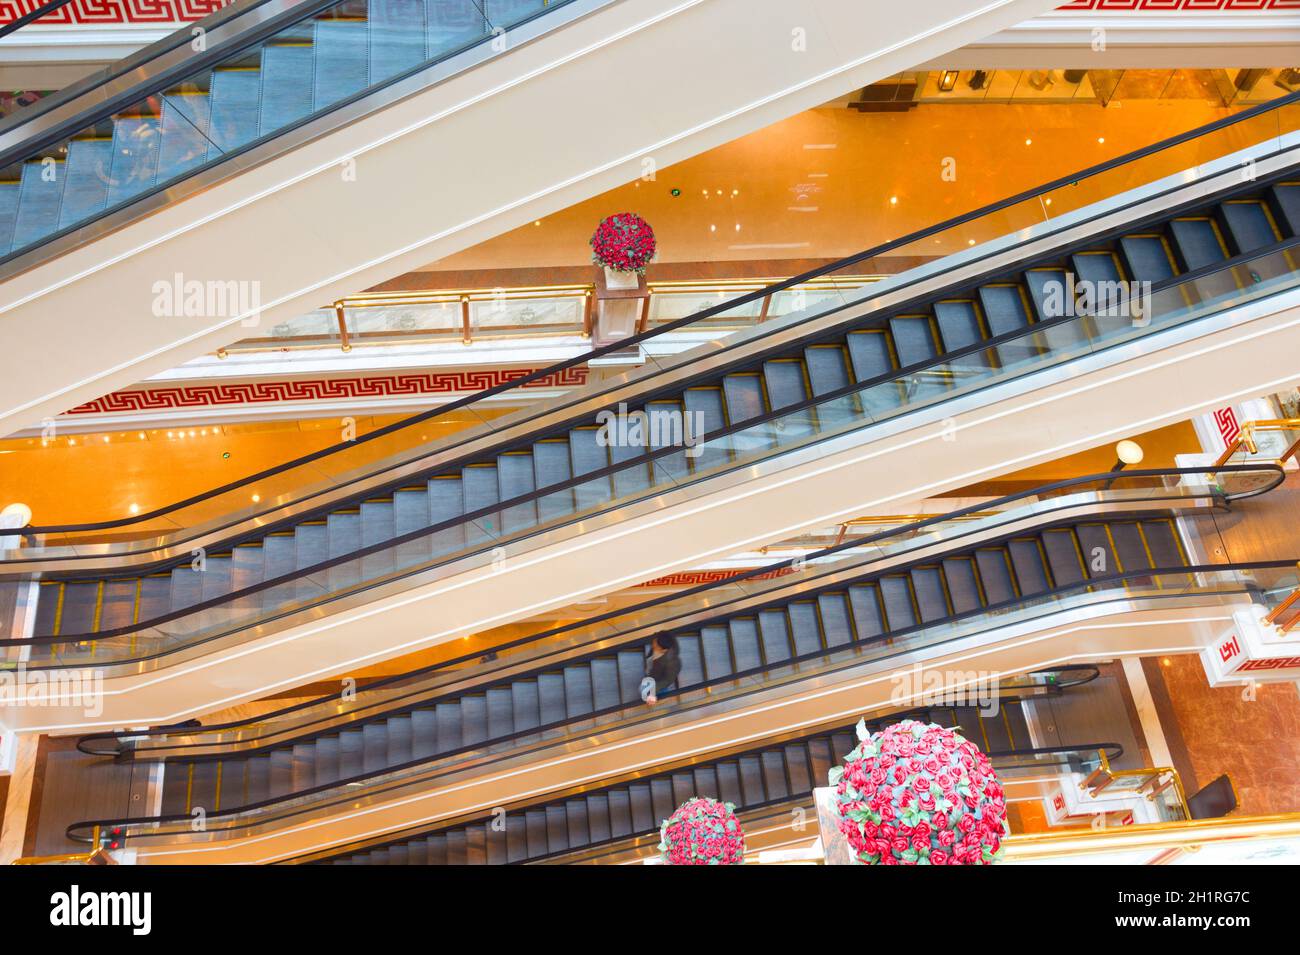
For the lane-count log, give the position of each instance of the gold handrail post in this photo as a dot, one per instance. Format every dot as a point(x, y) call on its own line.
point(465, 335)
point(344, 343)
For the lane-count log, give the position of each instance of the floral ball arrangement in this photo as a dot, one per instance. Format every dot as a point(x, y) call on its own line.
point(918, 794)
point(623, 242)
point(702, 832)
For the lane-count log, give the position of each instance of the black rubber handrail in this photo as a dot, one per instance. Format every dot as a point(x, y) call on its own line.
point(811, 403)
point(32, 16)
point(558, 367)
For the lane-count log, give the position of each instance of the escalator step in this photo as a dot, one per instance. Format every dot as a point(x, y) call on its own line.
point(525, 705)
point(729, 787)
point(557, 829)
point(774, 781)
point(326, 761)
point(550, 694)
point(1027, 560)
point(1197, 242)
point(913, 339)
point(473, 719)
point(516, 837)
point(498, 850)
point(1130, 545)
point(351, 753)
point(417, 852)
point(475, 844)
point(1285, 202)
point(235, 96)
point(341, 62)
point(963, 590)
point(706, 782)
point(551, 466)
point(896, 593)
point(688, 651)
point(631, 669)
point(1063, 556)
point(437, 849)
point(744, 396)
point(864, 599)
point(515, 473)
point(959, 324)
point(598, 822)
point(482, 491)
point(604, 683)
point(377, 527)
point(751, 780)
point(400, 740)
point(706, 414)
point(399, 854)
point(410, 513)
point(642, 812)
point(661, 799)
point(927, 584)
point(457, 849)
point(683, 784)
point(1098, 554)
point(453, 23)
point(234, 782)
point(181, 137)
point(500, 712)
point(176, 788)
point(995, 575)
point(834, 611)
point(259, 780)
point(446, 503)
point(585, 456)
point(449, 730)
point(717, 652)
point(86, 191)
point(1004, 308)
point(775, 629)
point(820, 760)
point(805, 627)
point(575, 812)
point(38, 201)
point(302, 768)
point(744, 644)
point(424, 733)
point(1148, 256)
point(374, 747)
point(398, 34)
point(281, 775)
point(577, 690)
point(620, 813)
point(1163, 543)
point(285, 97)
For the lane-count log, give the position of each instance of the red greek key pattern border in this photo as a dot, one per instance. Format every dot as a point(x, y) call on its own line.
point(89, 12)
point(692, 578)
point(405, 385)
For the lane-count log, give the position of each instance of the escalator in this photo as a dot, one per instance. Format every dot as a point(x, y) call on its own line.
point(784, 774)
point(217, 153)
point(1091, 542)
point(791, 398)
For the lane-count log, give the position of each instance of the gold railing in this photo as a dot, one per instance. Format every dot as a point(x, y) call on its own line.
point(1246, 439)
point(454, 311)
point(1159, 784)
point(1286, 615)
point(96, 856)
point(1155, 843)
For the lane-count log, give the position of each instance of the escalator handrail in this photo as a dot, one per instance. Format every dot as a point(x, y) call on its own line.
point(812, 402)
point(370, 777)
point(32, 16)
point(531, 497)
point(1279, 475)
point(636, 340)
point(103, 102)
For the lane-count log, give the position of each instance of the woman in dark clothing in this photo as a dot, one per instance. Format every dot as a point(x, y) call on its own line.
point(661, 667)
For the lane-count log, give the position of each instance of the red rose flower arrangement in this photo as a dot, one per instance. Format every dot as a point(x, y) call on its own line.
point(623, 242)
point(919, 794)
point(702, 832)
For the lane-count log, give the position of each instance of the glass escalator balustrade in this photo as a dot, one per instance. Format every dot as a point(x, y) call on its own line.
point(303, 70)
